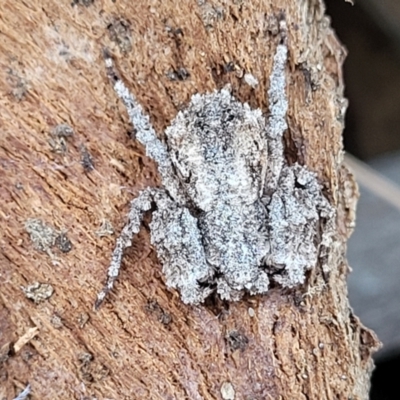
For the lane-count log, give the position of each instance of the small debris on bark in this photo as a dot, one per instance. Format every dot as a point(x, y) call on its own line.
point(38, 292)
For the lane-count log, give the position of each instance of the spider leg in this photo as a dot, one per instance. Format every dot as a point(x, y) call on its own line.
point(278, 105)
point(145, 132)
point(178, 239)
point(138, 207)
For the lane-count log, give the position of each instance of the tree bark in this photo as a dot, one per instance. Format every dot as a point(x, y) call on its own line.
point(144, 342)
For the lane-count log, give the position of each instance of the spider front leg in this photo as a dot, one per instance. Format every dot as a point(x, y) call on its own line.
point(278, 106)
point(138, 207)
point(145, 133)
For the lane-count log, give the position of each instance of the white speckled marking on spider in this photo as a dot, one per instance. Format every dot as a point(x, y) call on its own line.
point(232, 214)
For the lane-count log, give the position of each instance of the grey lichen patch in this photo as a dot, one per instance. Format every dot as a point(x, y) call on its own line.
point(18, 84)
point(44, 236)
point(38, 292)
point(58, 138)
point(56, 321)
point(62, 130)
point(232, 214)
point(209, 13)
point(119, 31)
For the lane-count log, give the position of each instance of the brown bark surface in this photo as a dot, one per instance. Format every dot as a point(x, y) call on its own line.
point(144, 342)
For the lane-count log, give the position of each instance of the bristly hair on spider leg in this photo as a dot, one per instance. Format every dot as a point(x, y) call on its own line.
point(138, 207)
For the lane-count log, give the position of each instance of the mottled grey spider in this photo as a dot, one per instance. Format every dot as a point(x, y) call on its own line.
point(231, 214)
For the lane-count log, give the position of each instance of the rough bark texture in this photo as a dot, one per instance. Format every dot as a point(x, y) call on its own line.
point(144, 342)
